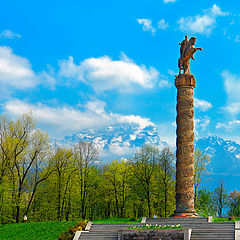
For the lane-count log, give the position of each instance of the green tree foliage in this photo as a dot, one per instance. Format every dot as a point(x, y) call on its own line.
point(234, 203)
point(166, 177)
point(220, 199)
point(200, 162)
point(205, 203)
point(143, 166)
point(48, 182)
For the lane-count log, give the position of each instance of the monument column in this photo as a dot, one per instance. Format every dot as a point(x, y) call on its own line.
point(185, 84)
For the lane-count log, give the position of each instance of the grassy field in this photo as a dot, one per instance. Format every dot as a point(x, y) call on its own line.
point(33, 231)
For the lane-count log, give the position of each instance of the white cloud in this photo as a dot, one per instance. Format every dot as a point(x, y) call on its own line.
point(9, 34)
point(103, 73)
point(147, 25)
point(232, 85)
point(165, 84)
point(201, 124)
point(203, 105)
point(172, 72)
point(167, 133)
point(162, 24)
point(15, 71)
point(204, 23)
point(230, 126)
point(233, 108)
point(169, 1)
point(63, 120)
point(232, 88)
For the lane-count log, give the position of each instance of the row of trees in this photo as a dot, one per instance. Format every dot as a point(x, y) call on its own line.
point(47, 182)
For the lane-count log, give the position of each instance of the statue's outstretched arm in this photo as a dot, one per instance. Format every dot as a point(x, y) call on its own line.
point(199, 49)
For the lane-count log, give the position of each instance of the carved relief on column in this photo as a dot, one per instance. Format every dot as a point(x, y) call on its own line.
point(185, 146)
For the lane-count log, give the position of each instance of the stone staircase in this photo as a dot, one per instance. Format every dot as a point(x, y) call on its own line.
point(202, 229)
point(105, 231)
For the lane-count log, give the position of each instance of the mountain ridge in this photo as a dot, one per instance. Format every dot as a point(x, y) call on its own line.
point(123, 140)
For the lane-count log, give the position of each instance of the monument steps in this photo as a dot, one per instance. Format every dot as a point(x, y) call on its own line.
point(100, 235)
point(201, 228)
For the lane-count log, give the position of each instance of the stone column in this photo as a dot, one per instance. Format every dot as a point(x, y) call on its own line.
point(185, 84)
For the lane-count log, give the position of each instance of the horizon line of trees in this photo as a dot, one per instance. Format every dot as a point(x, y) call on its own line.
point(64, 183)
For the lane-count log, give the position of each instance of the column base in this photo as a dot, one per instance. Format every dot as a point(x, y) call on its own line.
point(184, 214)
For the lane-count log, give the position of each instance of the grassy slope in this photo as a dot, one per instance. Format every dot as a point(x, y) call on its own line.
point(33, 231)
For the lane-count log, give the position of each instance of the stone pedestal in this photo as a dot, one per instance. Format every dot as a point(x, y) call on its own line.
point(185, 146)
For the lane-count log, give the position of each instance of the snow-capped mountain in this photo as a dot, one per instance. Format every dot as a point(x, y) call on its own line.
point(224, 160)
point(224, 154)
point(119, 140)
point(122, 141)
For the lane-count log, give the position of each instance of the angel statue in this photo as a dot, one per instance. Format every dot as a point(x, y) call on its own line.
point(187, 50)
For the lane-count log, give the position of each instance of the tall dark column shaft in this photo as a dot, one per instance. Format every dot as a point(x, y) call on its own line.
point(185, 146)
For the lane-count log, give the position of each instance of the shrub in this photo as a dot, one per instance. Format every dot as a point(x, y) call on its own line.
point(132, 219)
point(70, 232)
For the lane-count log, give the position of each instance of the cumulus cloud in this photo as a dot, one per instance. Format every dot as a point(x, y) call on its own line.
point(62, 120)
point(201, 23)
point(203, 105)
point(103, 73)
point(162, 24)
point(147, 25)
point(15, 71)
point(9, 34)
point(232, 88)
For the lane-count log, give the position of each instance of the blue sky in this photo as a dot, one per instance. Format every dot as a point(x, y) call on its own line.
point(82, 64)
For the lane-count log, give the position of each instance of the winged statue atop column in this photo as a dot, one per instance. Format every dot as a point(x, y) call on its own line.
point(187, 50)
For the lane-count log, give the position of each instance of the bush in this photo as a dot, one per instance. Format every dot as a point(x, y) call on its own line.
point(6, 219)
point(69, 234)
point(132, 219)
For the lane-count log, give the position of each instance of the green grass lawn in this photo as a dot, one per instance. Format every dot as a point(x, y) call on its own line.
point(225, 219)
point(118, 220)
point(51, 230)
point(34, 230)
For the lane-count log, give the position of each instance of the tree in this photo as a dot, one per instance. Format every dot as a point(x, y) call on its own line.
point(143, 166)
point(41, 168)
point(220, 198)
point(166, 174)
point(200, 162)
point(205, 206)
point(115, 174)
point(64, 168)
point(84, 154)
point(234, 203)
